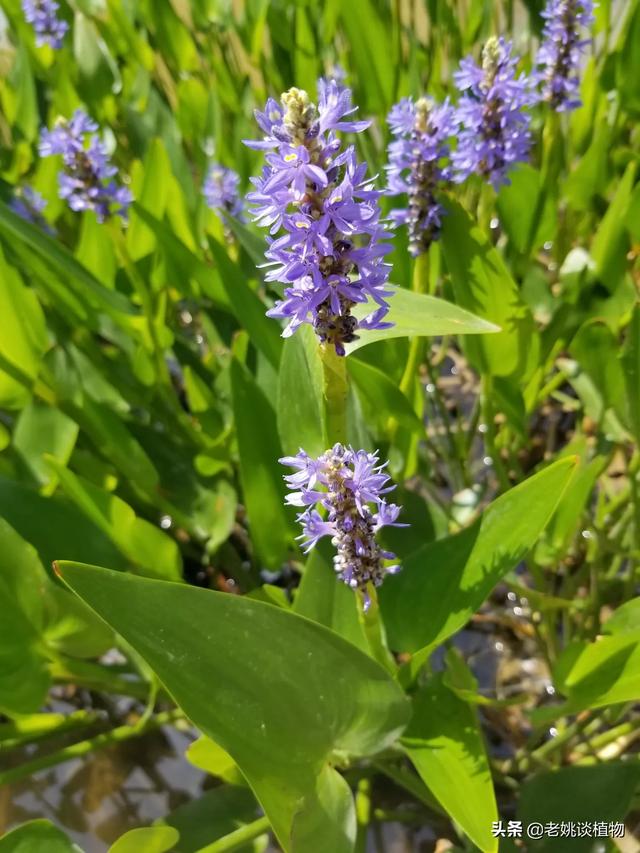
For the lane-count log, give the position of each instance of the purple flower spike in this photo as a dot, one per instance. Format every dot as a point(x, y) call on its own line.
point(328, 243)
point(87, 180)
point(220, 191)
point(48, 28)
point(560, 51)
point(344, 483)
point(416, 167)
point(492, 113)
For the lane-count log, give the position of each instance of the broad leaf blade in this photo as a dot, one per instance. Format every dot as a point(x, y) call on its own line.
point(300, 407)
point(260, 472)
point(415, 314)
point(601, 793)
point(443, 584)
point(483, 284)
point(445, 744)
point(279, 693)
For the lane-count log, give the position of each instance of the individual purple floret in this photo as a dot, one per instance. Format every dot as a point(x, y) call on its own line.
point(422, 130)
point(331, 248)
point(86, 182)
point(492, 113)
point(344, 483)
point(220, 191)
point(43, 17)
point(559, 54)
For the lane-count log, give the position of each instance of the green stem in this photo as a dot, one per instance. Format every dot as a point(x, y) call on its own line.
point(19, 732)
point(335, 393)
point(238, 837)
point(374, 631)
point(363, 814)
point(84, 747)
point(490, 435)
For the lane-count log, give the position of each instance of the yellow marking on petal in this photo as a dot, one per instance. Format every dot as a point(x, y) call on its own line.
point(302, 224)
point(289, 157)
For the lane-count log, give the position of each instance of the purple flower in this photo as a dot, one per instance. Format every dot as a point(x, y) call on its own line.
point(347, 485)
point(48, 28)
point(416, 167)
point(29, 204)
point(492, 113)
point(220, 191)
point(560, 51)
point(87, 179)
point(328, 243)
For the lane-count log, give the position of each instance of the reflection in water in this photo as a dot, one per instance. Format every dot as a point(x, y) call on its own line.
point(97, 798)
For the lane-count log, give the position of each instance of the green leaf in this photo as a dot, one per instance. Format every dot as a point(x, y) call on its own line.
point(602, 793)
point(62, 262)
point(145, 545)
point(625, 619)
point(36, 836)
point(483, 284)
point(62, 531)
point(260, 472)
point(94, 252)
point(247, 306)
point(306, 51)
point(596, 349)
point(151, 194)
point(24, 680)
point(522, 200)
point(22, 110)
point(97, 70)
point(253, 244)
point(23, 338)
point(442, 585)
point(562, 526)
point(279, 693)
point(312, 832)
point(369, 43)
point(630, 359)
point(205, 754)
point(300, 404)
point(182, 262)
point(381, 397)
point(71, 628)
point(628, 62)
point(416, 314)
point(215, 814)
point(147, 839)
point(602, 673)
point(445, 744)
point(40, 429)
point(112, 438)
point(589, 178)
point(610, 242)
point(325, 599)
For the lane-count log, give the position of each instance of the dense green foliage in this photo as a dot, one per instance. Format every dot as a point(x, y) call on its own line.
point(145, 399)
